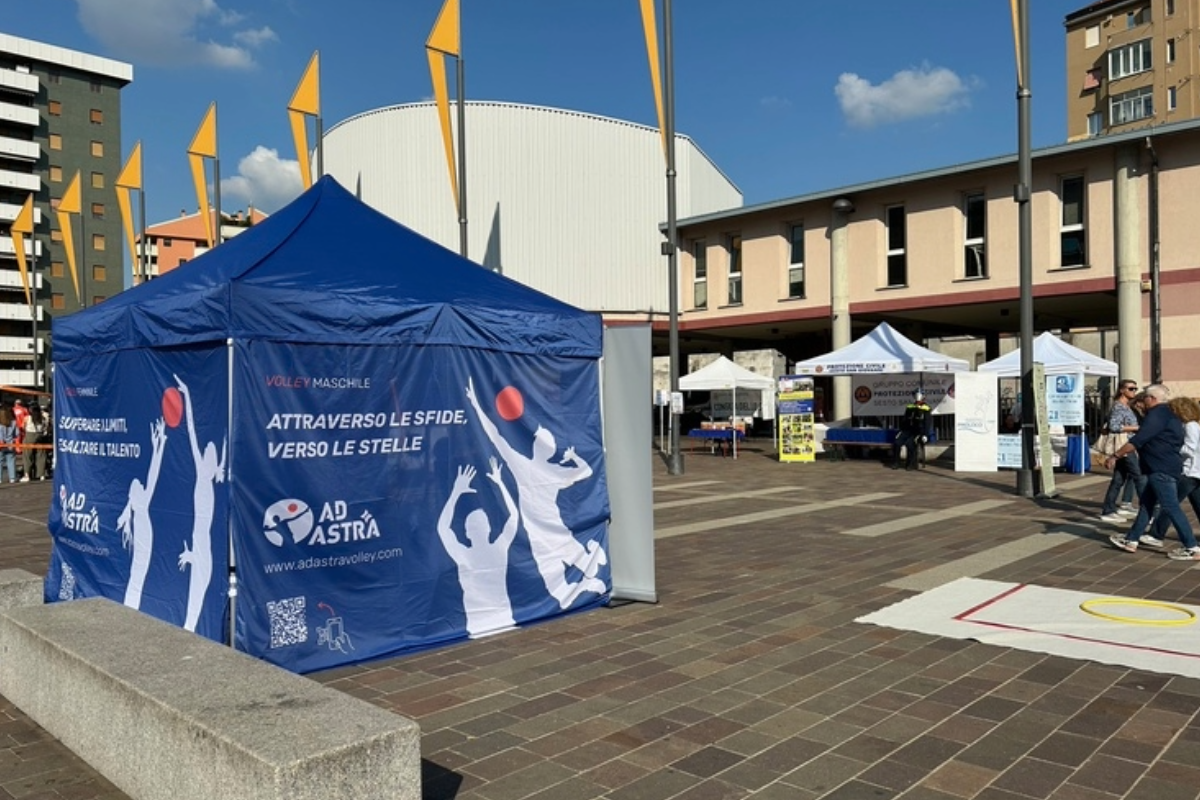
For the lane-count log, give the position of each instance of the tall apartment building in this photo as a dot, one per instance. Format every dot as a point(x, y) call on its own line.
point(1132, 64)
point(60, 113)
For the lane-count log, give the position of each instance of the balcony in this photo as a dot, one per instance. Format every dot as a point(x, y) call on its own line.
point(9, 211)
point(24, 82)
point(22, 115)
point(20, 312)
point(19, 180)
point(9, 250)
point(15, 347)
point(19, 148)
point(10, 279)
point(25, 378)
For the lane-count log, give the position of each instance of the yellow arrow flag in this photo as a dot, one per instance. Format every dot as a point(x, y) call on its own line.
point(23, 226)
point(305, 100)
point(68, 205)
point(130, 179)
point(445, 34)
point(204, 145)
point(650, 28)
point(1016, 23)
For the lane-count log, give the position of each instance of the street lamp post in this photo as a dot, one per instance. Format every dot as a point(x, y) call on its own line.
point(675, 462)
point(1022, 195)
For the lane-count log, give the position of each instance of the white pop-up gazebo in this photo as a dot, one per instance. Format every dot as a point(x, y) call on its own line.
point(723, 374)
point(883, 350)
point(1056, 357)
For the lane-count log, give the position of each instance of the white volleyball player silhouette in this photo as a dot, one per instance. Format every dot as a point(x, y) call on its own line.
point(137, 531)
point(209, 472)
point(539, 480)
point(483, 561)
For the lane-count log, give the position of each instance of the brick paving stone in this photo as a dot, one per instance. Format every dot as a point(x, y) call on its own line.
point(749, 676)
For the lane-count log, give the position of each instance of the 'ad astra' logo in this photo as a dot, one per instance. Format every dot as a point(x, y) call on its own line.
point(294, 519)
point(74, 517)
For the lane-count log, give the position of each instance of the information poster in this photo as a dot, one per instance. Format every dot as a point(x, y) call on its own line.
point(795, 418)
point(1064, 399)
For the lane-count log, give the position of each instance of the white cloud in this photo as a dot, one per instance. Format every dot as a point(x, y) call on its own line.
point(264, 180)
point(172, 33)
point(910, 93)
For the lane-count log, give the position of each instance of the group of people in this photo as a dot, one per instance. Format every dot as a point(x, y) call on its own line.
point(21, 426)
point(1160, 462)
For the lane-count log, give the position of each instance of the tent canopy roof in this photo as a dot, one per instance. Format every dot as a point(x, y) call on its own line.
point(883, 350)
point(724, 374)
point(1056, 356)
point(328, 269)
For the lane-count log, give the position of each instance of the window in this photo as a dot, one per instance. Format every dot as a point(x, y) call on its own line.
point(95, 87)
point(56, 141)
point(975, 236)
point(55, 233)
point(897, 258)
point(96, 116)
point(55, 174)
point(55, 108)
point(1129, 59)
point(1139, 17)
point(1071, 230)
point(98, 149)
point(700, 274)
point(734, 245)
point(1172, 101)
point(56, 269)
point(1091, 36)
point(1170, 51)
point(98, 299)
point(796, 263)
point(166, 242)
point(99, 272)
point(1095, 124)
point(98, 210)
point(98, 241)
point(97, 180)
point(1170, 7)
point(58, 301)
point(1131, 106)
point(54, 78)
point(54, 201)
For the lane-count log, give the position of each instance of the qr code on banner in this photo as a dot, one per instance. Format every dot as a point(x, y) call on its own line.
point(288, 624)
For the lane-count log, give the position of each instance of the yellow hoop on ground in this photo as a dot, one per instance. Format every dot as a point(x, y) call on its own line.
point(1188, 618)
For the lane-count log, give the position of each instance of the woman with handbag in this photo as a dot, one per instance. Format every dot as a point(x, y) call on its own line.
point(1121, 423)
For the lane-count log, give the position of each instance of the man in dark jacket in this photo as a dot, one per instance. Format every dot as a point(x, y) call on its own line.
point(915, 429)
point(1157, 443)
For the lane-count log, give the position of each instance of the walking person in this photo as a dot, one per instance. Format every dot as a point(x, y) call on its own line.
point(1127, 475)
point(1188, 481)
point(36, 429)
point(1158, 443)
point(8, 445)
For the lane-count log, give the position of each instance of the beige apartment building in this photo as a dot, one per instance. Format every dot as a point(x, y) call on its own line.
point(1132, 64)
point(936, 255)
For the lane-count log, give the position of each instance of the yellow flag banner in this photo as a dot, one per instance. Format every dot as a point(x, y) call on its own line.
point(437, 71)
point(23, 226)
point(306, 100)
point(129, 179)
point(445, 34)
point(204, 145)
point(1016, 23)
point(650, 28)
point(68, 205)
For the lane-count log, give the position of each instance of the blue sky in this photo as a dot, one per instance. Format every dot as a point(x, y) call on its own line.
point(786, 96)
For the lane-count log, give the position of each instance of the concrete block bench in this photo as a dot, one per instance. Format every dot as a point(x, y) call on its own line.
point(19, 588)
point(163, 713)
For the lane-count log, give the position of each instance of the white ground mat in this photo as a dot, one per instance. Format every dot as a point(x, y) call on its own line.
point(1158, 636)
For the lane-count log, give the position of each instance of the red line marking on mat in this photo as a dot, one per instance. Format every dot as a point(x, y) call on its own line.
point(987, 603)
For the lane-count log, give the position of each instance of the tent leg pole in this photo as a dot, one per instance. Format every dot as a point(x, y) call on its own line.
point(229, 489)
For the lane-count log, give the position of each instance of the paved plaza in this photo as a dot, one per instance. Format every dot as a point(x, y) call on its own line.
point(750, 677)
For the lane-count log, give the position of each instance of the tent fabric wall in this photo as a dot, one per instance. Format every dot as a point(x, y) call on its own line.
point(403, 449)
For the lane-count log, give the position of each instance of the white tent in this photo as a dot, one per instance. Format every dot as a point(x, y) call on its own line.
point(1056, 357)
point(883, 350)
point(724, 374)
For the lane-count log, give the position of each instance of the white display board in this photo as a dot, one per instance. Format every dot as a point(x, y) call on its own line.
point(977, 396)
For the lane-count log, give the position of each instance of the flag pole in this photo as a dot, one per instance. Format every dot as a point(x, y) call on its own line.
point(462, 157)
point(1025, 250)
point(675, 465)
